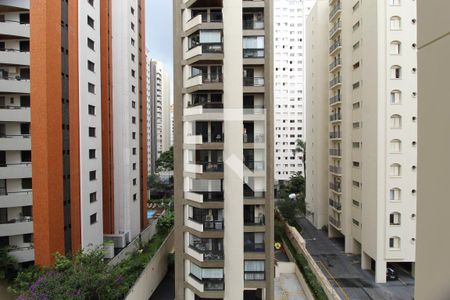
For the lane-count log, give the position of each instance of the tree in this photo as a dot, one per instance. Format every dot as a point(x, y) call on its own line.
point(9, 267)
point(300, 147)
point(165, 161)
point(289, 208)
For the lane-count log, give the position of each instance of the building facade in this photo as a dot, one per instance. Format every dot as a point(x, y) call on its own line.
point(158, 112)
point(223, 149)
point(372, 126)
point(16, 221)
point(289, 83)
point(87, 124)
point(433, 267)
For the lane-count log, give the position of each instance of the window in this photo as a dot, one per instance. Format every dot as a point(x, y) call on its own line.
point(356, 164)
point(27, 184)
point(355, 222)
point(134, 181)
point(91, 2)
point(93, 197)
point(134, 166)
point(133, 135)
point(91, 88)
point(133, 120)
point(132, 10)
point(93, 218)
point(25, 156)
point(134, 197)
point(91, 110)
point(132, 57)
point(133, 73)
point(91, 44)
point(90, 21)
point(91, 66)
point(396, 23)
point(133, 104)
point(355, 203)
point(205, 273)
point(133, 89)
point(254, 270)
point(395, 170)
point(395, 47)
point(91, 153)
point(396, 146)
point(396, 72)
point(396, 122)
point(394, 218)
point(92, 175)
point(132, 42)
point(396, 97)
point(394, 242)
point(394, 2)
point(92, 131)
point(28, 238)
point(134, 151)
point(395, 194)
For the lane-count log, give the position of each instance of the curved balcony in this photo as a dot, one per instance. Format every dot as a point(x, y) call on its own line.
point(14, 57)
point(335, 11)
point(204, 82)
point(204, 52)
point(335, 117)
point(335, 187)
point(202, 196)
point(14, 114)
point(335, 99)
point(17, 226)
point(335, 29)
point(15, 29)
point(335, 204)
point(14, 85)
point(203, 20)
point(335, 82)
point(335, 135)
point(335, 65)
point(15, 198)
point(336, 223)
point(335, 152)
point(335, 46)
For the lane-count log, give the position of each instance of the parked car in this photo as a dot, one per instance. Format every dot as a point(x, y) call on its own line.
point(391, 274)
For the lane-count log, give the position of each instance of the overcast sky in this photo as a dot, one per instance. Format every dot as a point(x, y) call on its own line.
point(159, 31)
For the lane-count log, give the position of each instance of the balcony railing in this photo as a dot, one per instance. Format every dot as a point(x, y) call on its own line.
point(254, 247)
point(335, 63)
point(210, 284)
point(335, 222)
point(209, 77)
point(250, 138)
point(335, 135)
point(336, 152)
point(252, 24)
point(213, 17)
point(335, 99)
point(335, 187)
point(335, 169)
point(213, 138)
point(335, 28)
point(4, 192)
point(253, 81)
point(209, 224)
point(211, 196)
point(211, 166)
point(336, 117)
point(255, 165)
point(5, 164)
point(14, 50)
point(335, 204)
point(207, 254)
point(335, 9)
point(336, 80)
point(212, 48)
point(206, 104)
point(335, 45)
point(253, 53)
point(257, 221)
point(254, 275)
point(17, 220)
point(12, 136)
point(254, 194)
point(16, 77)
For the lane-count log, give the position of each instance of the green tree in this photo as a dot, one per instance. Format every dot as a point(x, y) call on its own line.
point(9, 267)
point(165, 161)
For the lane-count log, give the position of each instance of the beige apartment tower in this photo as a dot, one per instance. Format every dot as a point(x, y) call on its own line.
point(223, 149)
point(433, 244)
point(369, 193)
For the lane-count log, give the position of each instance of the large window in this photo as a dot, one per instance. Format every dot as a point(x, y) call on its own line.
point(206, 273)
point(205, 37)
point(253, 46)
point(254, 270)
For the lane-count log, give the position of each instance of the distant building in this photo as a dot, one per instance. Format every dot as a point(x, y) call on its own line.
point(158, 112)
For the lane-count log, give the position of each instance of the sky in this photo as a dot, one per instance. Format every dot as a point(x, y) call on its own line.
point(158, 31)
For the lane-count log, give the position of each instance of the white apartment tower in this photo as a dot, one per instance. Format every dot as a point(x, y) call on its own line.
point(289, 94)
point(372, 128)
point(158, 112)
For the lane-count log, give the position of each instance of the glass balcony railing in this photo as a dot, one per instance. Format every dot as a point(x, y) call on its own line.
point(254, 81)
point(253, 53)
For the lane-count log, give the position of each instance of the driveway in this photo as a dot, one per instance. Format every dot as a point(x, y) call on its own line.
point(345, 273)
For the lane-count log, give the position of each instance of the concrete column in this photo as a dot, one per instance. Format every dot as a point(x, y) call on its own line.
point(365, 261)
point(380, 271)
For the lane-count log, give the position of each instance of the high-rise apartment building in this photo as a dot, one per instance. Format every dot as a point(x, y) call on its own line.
point(88, 122)
point(223, 149)
point(372, 126)
point(158, 112)
point(433, 245)
point(289, 63)
point(16, 222)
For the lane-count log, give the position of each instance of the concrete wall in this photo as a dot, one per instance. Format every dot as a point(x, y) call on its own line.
point(155, 271)
point(433, 245)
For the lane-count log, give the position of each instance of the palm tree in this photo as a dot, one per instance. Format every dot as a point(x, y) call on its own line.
point(300, 147)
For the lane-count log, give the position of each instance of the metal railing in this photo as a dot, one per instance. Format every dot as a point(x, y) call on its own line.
point(254, 194)
point(335, 169)
point(335, 99)
point(335, 187)
point(211, 196)
point(207, 254)
point(335, 9)
point(211, 166)
point(336, 152)
point(254, 81)
point(17, 220)
point(335, 63)
point(253, 53)
point(14, 50)
point(336, 80)
point(254, 247)
point(335, 28)
point(335, 222)
point(205, 104)
point(336, 117)
point(11, 136)
point(335, 204)
point(257, 221)
point(335, 45)
point(254, 275)
point(254, 165)
point(212, 48)
point(5, 164)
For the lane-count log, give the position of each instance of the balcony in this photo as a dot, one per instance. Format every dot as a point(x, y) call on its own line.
point(208, 219)
point(14, 57)
point(22, 254)
point(210, 166)
point(335, 99)
point(15, 170)
point(14, 29)
point(210, 249)
point(253, 53)
point(253, 247)
point(206, 20)
point(336, 28)
point(254, 221)
point(207, 51)
point(337, 80)
point(337, 205)
point(254, 275)
point(17, 226)
point(254, 81)
point(334, 11)
point(336, 117)
point(252, 3)
point(255, 165)
point(335, 169)
point(336, 187)
point(15, 198)
point(10, 142)
point(251, 138)
point(203, 3)
point(204, 80)
point(201, 197)
point(335, 64)
point(335, 135)
point(337, 44)
point(14, 85)
point(250, 194)
point(335, 223)
point(253, 24)
point(14, 113)
point(205, 102)
point(335, 152)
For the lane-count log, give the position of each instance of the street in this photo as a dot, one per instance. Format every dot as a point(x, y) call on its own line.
point(344, 271)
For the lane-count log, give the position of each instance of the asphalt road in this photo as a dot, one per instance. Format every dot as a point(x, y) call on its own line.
point(345, 273)
point(166, 289)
